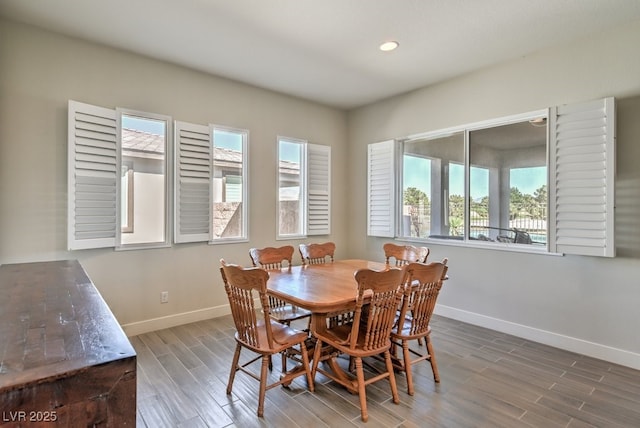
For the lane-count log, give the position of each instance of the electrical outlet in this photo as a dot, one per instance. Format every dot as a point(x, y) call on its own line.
point(164, 297)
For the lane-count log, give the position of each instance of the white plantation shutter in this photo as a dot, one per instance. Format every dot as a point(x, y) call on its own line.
point(318, 189)
point(93, 176)
point(582, 175)
point(193, 183)
point(381, 189)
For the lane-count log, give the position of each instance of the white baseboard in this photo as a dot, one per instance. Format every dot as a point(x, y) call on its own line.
point(595, 350)
point(146, 326)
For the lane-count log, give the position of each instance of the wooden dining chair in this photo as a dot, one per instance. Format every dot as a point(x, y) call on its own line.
point(314, 254)
point(404, 254)
point(265, 336)
point(270, 258)
point(420, 292)
point(367, 336)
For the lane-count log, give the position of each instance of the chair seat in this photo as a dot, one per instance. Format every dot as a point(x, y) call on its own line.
point(288, 313)
point(283, 337)
point(338, 337)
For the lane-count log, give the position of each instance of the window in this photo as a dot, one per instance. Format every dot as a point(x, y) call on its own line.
point(432, 186)
point(501, 183)
point(303, 188)
point(290, 182)
point(211, 190)
point(117, 178)
point(508, 181)
point(144, 185)
point(507, 171)
point(229, 170)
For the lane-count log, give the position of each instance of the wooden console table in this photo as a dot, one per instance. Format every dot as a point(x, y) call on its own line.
point(64, 359)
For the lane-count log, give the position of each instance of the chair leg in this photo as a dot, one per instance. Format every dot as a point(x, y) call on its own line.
point(393, 349)
point(361, 389)
point(263, 383)
point(407, 366)
point(305, 364)
point(284, 354)
point(392, 378)
point(234, 367)
point(432, 359)
point(316, 358)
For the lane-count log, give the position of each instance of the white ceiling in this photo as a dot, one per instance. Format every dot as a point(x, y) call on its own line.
point(327, 50)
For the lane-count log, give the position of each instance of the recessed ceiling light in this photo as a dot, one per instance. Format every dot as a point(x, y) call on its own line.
point(389, 46)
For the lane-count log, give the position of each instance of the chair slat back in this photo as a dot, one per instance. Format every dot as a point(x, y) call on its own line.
point(271, 258)
point(243, 285)
point(405, 254)
point(316, 253)
point(373, 331)
point(422, 286)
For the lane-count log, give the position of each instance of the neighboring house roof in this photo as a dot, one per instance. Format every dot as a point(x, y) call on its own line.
point(142, 144)
point(227, 158)
point(140, 141)
point(137, 143)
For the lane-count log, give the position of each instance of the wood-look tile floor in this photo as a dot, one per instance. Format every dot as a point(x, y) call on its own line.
point(488, 379)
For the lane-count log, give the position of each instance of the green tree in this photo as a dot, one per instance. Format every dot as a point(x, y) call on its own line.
point(456, 214)
point(456, 206)
point(517, 203)
point(540, 196)
point(415, 197)
point(455, 226)
point(481, 207)
point(526, 205)
point(417, 201)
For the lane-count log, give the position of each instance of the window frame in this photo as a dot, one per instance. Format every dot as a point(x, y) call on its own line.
point(245, 183)
point(194, 179)
point(399, 179)
point(94, 168)
point(589, 125)
point(302, 217)
point(465, 131)
point(315, 189)
point(168, 179)
point(128, 228)
point(494, 123)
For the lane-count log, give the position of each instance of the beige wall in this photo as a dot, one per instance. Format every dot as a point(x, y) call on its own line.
point(587, 304)
point(41, 71)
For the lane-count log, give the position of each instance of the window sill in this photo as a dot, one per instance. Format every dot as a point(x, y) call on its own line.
point(514, 248)
point(228, 241)
point(290, 237)
point(127, 247)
